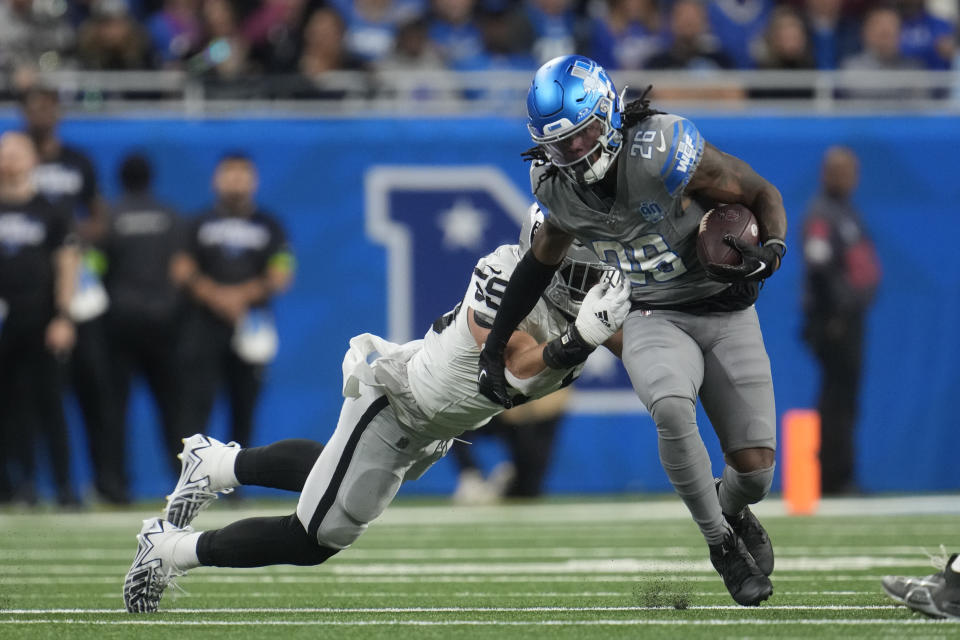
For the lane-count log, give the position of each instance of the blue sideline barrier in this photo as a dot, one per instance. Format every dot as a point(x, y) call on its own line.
point(344, 188)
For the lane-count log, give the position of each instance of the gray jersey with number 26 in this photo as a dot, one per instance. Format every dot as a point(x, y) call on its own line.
point(650, 231)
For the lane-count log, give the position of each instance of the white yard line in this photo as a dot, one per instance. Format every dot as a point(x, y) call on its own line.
point(574, 565)
point(940, 625)
point(234, 578)
point(454, 553)
point(241, 595)
point(339, 610)
point(640, 510)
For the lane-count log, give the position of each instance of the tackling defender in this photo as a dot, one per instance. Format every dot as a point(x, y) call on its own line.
point(632, 184)
point(400, 413)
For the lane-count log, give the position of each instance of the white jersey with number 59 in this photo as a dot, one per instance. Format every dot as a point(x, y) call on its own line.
point(443, 373)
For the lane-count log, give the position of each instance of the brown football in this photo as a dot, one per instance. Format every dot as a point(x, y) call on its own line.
point(726, 219)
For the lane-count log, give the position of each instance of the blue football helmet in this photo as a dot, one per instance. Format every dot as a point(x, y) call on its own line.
point(575, 115)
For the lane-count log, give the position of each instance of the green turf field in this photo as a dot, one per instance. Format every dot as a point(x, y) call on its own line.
point(585, 569)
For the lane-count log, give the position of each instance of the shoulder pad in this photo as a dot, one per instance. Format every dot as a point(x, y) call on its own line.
point(667, 147)
point(490, 277)
point(502, 260)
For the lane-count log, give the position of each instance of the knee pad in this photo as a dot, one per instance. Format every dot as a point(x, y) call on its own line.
point(674, 415)
point(361, 502)
point(745, 488)
point(676, 421)
point(338, 530)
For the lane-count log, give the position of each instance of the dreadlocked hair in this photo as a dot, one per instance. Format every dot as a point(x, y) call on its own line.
point(635, 112)
point(638, 110)
point(538, 156)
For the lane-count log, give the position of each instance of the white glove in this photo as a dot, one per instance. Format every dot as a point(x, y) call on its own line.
point(603, 310)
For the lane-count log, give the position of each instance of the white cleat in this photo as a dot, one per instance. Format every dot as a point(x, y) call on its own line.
point(194, 491)
point(152, 568)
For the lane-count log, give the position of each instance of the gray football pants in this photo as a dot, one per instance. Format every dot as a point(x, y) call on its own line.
point(361, 469)
point(672, 358)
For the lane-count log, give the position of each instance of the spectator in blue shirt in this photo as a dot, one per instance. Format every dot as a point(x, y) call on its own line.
point(555, 28)
point(175, 31)
point(740, 25)
point(372, 24)
point(503, 50)
point(833, 35)
point(454, 31)
point(627, 36)
point(925, 37)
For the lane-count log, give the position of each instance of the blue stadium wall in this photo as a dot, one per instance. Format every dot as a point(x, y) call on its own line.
point(315, 176)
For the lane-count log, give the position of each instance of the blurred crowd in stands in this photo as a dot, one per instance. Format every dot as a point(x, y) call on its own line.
point(238, 46)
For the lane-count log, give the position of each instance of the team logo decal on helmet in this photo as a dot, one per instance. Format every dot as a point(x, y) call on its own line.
point(575, 115)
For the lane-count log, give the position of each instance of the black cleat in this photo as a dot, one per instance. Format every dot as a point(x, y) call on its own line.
point(754, 536)
point(743, 579)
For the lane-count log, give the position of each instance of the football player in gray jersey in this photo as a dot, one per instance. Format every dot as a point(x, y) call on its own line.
point(632, 184)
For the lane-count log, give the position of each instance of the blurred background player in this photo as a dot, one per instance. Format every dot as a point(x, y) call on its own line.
point(235, 260)
point(143, 319)
point(38, 266)
point(842, 273)
point(66, 177)
point(64, 173)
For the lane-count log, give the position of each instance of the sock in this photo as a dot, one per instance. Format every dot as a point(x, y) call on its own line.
point(185, 552)
point(259, 542)
point(282, 465)
point(737, 490)
point(221, 462)
point(684, 458)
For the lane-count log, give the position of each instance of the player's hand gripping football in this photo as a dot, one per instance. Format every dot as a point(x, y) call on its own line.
point(604, 309)
point(758, 263)
point(492, 381)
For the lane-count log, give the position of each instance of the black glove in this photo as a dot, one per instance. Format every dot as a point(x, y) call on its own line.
point(758, 262)
point(492, 381)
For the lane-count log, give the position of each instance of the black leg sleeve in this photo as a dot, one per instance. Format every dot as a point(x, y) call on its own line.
point(282, 465)
point(260, 542)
